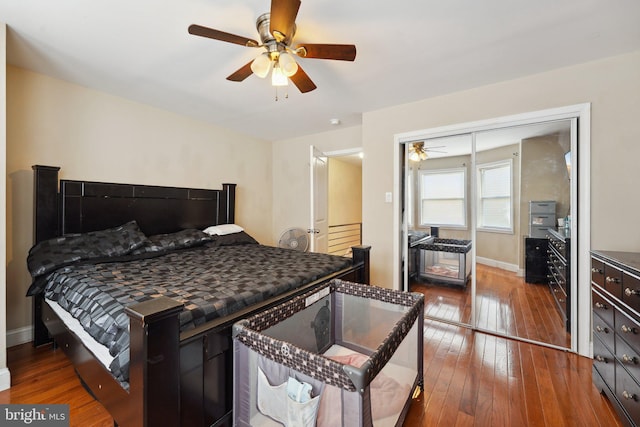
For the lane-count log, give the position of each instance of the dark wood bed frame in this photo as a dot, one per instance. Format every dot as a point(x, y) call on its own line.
point(175, 378)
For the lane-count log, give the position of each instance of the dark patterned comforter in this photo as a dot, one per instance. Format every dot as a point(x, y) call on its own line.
point(211, 281)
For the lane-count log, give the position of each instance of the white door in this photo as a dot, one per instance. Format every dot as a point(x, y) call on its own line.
point(319, 183)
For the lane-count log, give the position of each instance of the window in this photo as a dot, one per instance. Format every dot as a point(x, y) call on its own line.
point(443, 197)
point(495, 196)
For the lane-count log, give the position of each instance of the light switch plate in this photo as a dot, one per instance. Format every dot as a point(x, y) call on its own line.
point(388, 197)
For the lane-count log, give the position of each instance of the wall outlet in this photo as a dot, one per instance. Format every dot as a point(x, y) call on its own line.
point(388, 197)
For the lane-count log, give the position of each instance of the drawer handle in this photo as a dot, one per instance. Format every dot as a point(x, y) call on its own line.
point(605, 330)
point(601, 359)
point(628, 330)
point(601, 306)
point(612, 280)
point(630, 292)
point(629, 396)
point(560, 300)
point(629, 359)
point(596, 270)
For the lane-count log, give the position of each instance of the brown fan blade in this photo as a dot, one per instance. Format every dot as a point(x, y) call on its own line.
point(342, 52)
point(242, 73)
point(302, 81)
point(283, 18)
point(201, 31)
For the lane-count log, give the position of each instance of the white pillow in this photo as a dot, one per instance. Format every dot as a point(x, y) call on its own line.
point(223, 229)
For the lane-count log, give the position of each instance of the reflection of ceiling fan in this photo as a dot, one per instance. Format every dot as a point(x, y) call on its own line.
point(418, 152)
point(277, 30)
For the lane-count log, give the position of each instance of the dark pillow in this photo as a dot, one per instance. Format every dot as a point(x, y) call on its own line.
point(182, 239)
point(239, 238)
point(50, 254)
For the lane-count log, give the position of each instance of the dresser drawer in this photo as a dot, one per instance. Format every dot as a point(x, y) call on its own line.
point(631, 291)
point(546, 220)
point(603, 308)
point(539, 231)
point(604, 332)
point(536, 248)
point(542, 207)
point(628, 393)
point(597, 272)
point(627, 329)
point(628, 357)
point(613, 281)
point(604, 363)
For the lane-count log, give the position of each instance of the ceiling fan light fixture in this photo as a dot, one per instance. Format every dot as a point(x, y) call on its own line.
point(417, 152)
point(261, 65)
point(277, 77)
point(288, 64)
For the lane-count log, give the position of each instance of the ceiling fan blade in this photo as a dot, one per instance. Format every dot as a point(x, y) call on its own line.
point(302, 81)
point(242, 73)
point(283, 18)
point(201, 31)
point(342, 52)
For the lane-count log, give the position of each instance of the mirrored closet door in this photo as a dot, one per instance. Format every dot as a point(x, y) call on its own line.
point(488, 216)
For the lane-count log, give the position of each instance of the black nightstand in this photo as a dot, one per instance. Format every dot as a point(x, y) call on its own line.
point(535, 260)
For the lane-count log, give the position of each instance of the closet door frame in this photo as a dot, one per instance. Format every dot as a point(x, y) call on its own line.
point(581, 179)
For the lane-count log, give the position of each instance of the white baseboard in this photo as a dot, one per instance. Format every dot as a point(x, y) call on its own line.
point(5, 379)
point(19, 336)
point(499, 264)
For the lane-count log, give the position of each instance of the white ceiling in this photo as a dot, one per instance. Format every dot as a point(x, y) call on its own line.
point(406, 51)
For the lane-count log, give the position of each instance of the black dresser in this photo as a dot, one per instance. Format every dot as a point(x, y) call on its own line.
point(535, 259)
point(615, 287)
point(559, 271)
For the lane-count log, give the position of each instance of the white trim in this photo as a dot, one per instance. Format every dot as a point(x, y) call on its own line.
point(19, 336)
point(499, 264)
point(581, 200)
point(344, 152)
point(5, 379)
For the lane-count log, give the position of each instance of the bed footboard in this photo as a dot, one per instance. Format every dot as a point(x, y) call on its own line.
point(154, 370)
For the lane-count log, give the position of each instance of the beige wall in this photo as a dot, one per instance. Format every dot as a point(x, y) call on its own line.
point(345, 192)
point(96, 136)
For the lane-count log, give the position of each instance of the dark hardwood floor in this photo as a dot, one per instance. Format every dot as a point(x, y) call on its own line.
point(471, 378)
point(506, 304)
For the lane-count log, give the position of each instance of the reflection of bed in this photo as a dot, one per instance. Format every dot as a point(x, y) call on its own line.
point(176, 377)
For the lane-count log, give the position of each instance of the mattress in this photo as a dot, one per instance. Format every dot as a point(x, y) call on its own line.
point(211, 281)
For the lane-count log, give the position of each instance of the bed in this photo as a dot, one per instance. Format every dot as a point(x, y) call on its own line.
point(179, 367)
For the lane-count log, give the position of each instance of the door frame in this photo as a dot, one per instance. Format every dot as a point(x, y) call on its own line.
point(581, 229)
point(313, 150)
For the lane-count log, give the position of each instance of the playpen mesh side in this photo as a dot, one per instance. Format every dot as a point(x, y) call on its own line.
point(315, 366)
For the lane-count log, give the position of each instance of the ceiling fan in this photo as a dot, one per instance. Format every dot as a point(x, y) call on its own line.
point(418, 151)
point(276, 30)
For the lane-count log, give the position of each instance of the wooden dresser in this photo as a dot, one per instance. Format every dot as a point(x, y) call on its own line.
point(615, 286)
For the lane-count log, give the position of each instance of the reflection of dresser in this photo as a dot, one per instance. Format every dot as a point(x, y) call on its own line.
point(536, 260)
point(615, 286)
point(560, 271)
point(542, 215)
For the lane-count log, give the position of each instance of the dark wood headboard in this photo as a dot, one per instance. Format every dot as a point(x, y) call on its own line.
point(82, 206)
point(68, 206)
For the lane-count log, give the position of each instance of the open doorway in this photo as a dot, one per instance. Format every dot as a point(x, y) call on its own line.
point(336, 201)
